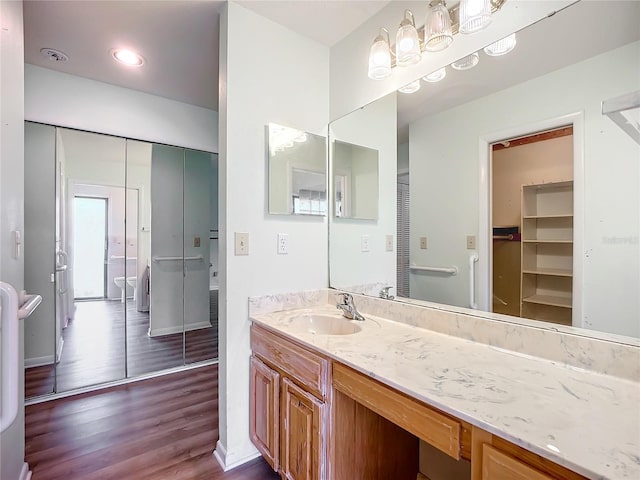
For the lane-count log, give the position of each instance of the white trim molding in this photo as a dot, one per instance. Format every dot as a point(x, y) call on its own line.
point(220, 454)
point(485, 270)
point(157, 332)
point(25, 473)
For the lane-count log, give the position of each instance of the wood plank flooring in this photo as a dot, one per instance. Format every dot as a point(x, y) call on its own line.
point(162, 428)
point(94, 348)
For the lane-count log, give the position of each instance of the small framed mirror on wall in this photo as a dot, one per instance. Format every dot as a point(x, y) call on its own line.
point(297, 172)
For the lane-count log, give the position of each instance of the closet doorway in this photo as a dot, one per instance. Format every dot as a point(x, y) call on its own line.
point(532, 225)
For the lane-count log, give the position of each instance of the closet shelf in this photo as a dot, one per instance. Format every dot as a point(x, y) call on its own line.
point(556, 272)
point(547, 241)
point(564, 215)
point(552, 300)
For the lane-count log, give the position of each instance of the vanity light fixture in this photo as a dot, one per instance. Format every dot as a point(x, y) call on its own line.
point(474, 15)
point(410, 87)
point(438, 31)
point(408, 49)
point(502, 46)
point(466, 63)
point(436, 76)
point(380, 56)
point(438, 34)
point(127, 57)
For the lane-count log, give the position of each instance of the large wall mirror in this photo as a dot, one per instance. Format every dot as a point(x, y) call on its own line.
point(118, 238)
point(508, 189)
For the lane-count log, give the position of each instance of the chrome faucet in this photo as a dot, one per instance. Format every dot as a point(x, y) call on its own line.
point(345, 303)
point(384, 293)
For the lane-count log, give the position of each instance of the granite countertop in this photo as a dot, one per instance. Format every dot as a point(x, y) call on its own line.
point(585, 421)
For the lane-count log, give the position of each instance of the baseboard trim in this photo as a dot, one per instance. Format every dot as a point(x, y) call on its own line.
point(25, 473)
point(158, 332)
point(38, 361)
point(220, 454)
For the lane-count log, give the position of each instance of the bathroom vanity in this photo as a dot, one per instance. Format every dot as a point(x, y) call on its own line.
point(335, 399)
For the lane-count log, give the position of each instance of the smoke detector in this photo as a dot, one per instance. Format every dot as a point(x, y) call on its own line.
point(54, 55)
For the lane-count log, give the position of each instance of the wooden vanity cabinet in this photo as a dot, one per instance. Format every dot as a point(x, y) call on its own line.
point(288, 408)
point(313, 419)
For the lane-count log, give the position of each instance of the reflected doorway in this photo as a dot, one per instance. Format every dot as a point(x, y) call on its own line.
point(90, 240)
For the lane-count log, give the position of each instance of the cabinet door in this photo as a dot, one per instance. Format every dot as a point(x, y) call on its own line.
point(264, 411)
point(302, 424)
point(499, 466)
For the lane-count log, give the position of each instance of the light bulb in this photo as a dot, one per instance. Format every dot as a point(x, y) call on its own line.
point(437, 28)
point(410, 87)
point(407, 42)
point(380, 58)
point(502, 46)
point(435, 76)
point(474, 15)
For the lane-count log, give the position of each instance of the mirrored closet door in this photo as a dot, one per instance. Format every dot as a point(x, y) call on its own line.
point(118, 242)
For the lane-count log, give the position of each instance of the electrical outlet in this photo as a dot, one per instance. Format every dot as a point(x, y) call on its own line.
point(388, 243)
point(364, 243)
point(196, 241)
point(471, 242)
point(283, 244)
point(423, 243)
point(241, 243)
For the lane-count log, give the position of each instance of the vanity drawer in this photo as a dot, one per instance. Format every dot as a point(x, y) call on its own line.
point(424, 422)
point(309, 369)
point(497, 465)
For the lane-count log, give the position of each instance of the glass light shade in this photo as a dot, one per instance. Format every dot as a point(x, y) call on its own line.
point(410, 87)
point(465, 63)
point(436, 76)
point(407, 43)
point(437, 28)
point(379, 59)
point(474, 15)
point(501, 47)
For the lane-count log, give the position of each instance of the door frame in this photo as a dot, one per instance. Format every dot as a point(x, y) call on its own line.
point(105, 273)
point(485, 250)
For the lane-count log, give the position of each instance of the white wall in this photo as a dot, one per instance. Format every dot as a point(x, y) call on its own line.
point(39, 241)
point(374, 127)
point(350, 86)
point(288, 88)
point(70, 101)
point(444, 182)
point(11, 199)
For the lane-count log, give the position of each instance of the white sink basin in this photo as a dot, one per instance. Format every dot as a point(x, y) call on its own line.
point(323, 325)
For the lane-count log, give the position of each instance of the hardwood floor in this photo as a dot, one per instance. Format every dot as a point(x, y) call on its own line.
point(162, 428)
point(94, 348)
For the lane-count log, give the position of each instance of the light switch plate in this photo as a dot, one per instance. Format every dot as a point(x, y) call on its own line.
point(423, 243)
point(283, 244)
point(388, 243)
point(471, 242)
point(364, 243)
point(241, 243)
point(196, 241)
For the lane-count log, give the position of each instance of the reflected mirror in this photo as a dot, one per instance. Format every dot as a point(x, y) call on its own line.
point(542, 221)
point(118, 238)
point(297, 172)
point(355, 181)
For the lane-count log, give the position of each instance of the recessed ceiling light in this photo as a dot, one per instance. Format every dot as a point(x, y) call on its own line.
point(128, 57)
point(54, 55)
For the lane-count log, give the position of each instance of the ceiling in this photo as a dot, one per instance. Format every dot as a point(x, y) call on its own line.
point(178, 39)
point(581, 31)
